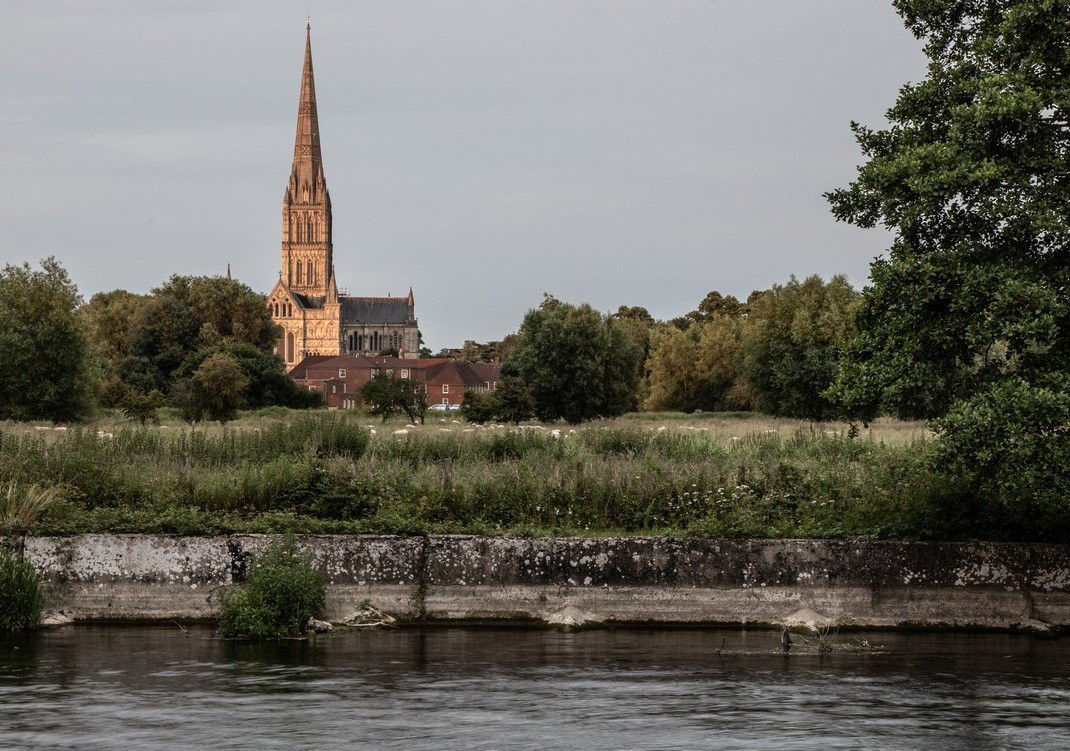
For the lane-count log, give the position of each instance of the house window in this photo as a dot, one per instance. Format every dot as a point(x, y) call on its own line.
point(446, 400)
point(375, 372)
point(311, 388)
point(341, 372)
point(334, 389)
point(445, 388)
point(343, 387)
point(404, 372)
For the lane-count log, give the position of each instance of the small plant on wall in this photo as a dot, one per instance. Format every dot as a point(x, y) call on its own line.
point(20, 593)
point(282, 592)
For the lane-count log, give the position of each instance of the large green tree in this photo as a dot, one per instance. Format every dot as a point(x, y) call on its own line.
point(153, 341)
point(386, 394)
point(234, 310)
point(793, 345)
point(110, 315)
point(218, 385)
point(969, 313)
point(266, 383)
point(48, 370)
point(698, 368)
point(578, 363)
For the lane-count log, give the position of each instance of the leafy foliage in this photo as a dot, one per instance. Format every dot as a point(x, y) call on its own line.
point(577, 363)
point(218, 385)
point(48, 370)
point(137, 405)
point(153, 342)
point(266, 383)
point(21, 597)
point(712, 305)
point(512, 401)
point(698, 368)
point(1012, 443)
point(232, 309)
point(792, 351)
point(478, 406)
point(282, 591)
point(968, 317)
point(386, 394)
point(971, 177)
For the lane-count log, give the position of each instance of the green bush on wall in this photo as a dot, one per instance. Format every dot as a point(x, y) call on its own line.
point(282, 592)
point(20, 593)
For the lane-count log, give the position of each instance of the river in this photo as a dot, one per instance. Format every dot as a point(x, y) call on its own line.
point(122, 687)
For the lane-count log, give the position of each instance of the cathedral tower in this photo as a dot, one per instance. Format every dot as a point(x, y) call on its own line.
point(314, 319)
point(307, 251)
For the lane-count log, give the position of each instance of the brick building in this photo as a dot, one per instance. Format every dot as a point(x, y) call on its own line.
point(445, 381)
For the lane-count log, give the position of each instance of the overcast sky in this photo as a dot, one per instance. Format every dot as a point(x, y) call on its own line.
point(613, 152)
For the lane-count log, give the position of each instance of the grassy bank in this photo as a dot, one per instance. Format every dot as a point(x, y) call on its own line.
point(710, 475)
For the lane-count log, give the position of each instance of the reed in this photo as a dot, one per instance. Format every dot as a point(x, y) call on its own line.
point(705, 475)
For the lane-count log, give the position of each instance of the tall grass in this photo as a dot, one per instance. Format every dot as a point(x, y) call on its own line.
point(22, 505)
point(341, 472)
point(20, 593)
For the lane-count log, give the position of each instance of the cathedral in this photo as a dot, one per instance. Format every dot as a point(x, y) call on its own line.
point(315, 318)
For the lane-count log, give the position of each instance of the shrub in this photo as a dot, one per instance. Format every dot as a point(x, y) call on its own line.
point(142, 407)
point(513, 402)
point(1011, 444)
point(282, 592)
point(20, 593)
point(478, 406)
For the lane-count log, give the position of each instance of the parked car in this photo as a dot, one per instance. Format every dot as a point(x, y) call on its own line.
point(439, 407)
point(453, 407)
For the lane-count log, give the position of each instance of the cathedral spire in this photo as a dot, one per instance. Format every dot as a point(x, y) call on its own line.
point(308, 160)
point(307, 251)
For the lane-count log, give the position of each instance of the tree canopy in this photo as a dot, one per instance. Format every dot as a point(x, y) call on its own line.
point(972, 177)
point(577, 363)
point(792, 351)
point(49, 370)
point(156, 341)
point(968, 315)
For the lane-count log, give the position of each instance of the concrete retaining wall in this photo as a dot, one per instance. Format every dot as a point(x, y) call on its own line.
point(653, 580)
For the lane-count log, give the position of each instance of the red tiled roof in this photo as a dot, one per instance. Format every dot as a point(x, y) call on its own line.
point(299, 371)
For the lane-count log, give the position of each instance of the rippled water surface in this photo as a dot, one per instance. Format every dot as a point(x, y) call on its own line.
point(156, 688)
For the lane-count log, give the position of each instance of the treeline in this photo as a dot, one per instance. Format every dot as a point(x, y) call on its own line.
point(778, 353)
point(201, 344)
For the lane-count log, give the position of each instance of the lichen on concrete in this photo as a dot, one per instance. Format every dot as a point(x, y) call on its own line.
point(627, 579)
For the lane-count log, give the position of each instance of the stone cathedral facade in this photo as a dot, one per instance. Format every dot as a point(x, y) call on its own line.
point(315, 318)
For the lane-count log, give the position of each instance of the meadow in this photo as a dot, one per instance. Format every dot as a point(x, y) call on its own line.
point(277, 470)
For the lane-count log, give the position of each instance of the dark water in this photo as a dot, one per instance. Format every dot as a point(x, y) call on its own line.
point(154, 688)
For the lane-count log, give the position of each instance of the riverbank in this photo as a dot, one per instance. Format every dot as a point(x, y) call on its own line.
point(665, 475)
point(815, 584)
